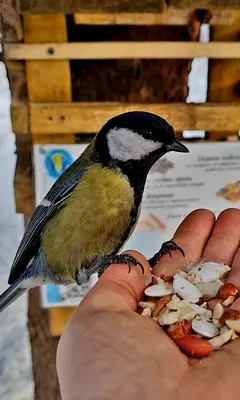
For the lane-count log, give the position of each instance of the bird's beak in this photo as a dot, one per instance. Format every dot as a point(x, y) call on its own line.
point(177, 146)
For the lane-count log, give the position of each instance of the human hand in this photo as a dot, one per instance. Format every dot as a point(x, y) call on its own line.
point(108, 351)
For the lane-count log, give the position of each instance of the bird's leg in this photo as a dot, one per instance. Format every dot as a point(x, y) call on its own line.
point(166, 248)
point(103, 263)
point(82, 276)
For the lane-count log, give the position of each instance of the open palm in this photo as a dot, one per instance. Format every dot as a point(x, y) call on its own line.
point(108, 351)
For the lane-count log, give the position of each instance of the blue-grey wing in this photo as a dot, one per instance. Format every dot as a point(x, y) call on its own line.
point(30, 243)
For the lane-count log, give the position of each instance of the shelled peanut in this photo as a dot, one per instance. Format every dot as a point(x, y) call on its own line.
point(180, 304)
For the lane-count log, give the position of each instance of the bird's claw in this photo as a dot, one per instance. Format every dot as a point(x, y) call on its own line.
point(166, 248)
point(119, 259)
point(169, 246)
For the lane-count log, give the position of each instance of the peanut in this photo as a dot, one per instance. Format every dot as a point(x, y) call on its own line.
point(234, 325)
point(228, 289)
point(194, 346)
point(160, 305)
point(229, 300)
point(176, 331)
point(231, 315)
point(179, 329)
point(187, 327)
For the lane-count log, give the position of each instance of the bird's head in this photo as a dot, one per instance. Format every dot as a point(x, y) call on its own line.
point(137, 136)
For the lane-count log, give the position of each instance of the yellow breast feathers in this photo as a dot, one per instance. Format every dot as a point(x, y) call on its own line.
point(92, 220)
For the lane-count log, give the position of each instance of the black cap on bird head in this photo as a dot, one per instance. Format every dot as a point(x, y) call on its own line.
point(137, 136)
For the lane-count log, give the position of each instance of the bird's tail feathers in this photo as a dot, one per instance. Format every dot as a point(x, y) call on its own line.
point(11, 294)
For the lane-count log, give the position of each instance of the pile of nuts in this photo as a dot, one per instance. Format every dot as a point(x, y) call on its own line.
point(180, 304)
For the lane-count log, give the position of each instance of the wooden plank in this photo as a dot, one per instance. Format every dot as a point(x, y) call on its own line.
point(48, 81)
point(205, 3)
point(20, 118)
point(70, 7)
point(58, 318)
point(20, 125)
point(122, 50)
point(11, 21)
point(17, 81)
point(89, 117)
point(24, 193)
point(52, 139)
point(43, 350)
point(43, 28)
point(19, 100)
point(170, 16)
point(233, 138)
point(224, 84)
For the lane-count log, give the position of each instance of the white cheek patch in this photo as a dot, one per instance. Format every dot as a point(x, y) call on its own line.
point(125, 144)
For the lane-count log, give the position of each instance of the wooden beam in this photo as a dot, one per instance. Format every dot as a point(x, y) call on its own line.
point(170, 16)
point(11, 21)
point(53, 139)
point(19, 101)
point(43, 350)
point(43, 28)
point(205, 3)
point(23, 188)
point(48, 81)
point(17, 81)
point(24, 193)
point(122, 50)
point(70, 7)
point(20, 118)
point(224, 84)
point(89, 117)
point(58, 318)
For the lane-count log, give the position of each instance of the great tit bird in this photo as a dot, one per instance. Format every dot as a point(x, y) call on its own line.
point(91, 210)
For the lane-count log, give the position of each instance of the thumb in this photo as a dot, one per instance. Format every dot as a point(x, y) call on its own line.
point(117, 289)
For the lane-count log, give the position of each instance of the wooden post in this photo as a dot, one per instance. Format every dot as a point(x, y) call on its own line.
point(13, 32)
point(11, 22)
point(71, 7)
point(48, 81)
point(224, 75)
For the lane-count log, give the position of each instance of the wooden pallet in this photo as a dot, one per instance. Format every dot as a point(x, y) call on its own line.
point(38, 54)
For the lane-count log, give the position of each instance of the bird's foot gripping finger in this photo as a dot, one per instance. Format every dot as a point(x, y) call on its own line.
point(82, 276)
point(106, 261)
point(166, 248)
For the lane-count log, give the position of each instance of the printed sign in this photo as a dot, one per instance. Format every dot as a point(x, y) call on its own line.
point(207, 177)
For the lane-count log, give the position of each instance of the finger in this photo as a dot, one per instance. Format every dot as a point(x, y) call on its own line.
point(225, 237)
point(117, 289)
point(191, 236)
point(234, 275)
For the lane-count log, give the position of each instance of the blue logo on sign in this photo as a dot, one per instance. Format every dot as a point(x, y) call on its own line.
point(57, 161)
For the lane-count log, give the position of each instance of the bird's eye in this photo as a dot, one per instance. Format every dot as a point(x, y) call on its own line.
point(147, 133)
